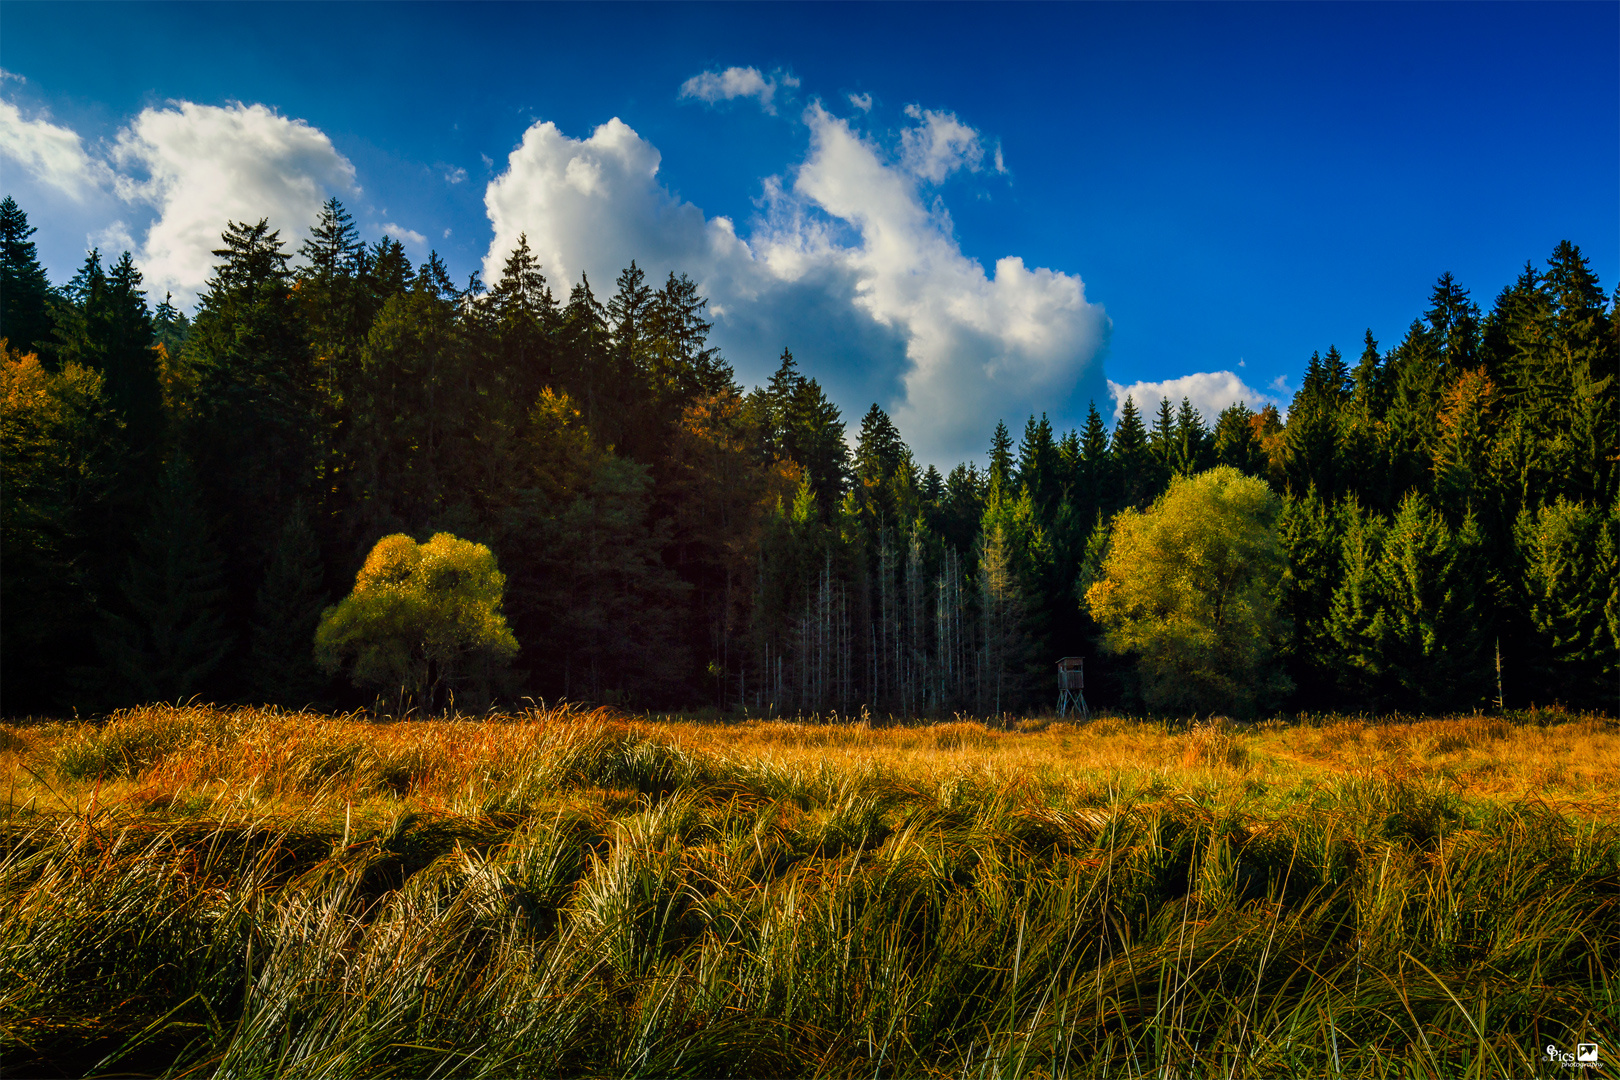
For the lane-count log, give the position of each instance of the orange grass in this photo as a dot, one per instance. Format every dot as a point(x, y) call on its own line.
point(251, 763)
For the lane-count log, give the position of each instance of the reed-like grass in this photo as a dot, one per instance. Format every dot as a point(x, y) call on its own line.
point(249, 893)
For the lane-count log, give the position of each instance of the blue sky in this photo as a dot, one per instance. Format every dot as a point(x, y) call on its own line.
point(1190, 195)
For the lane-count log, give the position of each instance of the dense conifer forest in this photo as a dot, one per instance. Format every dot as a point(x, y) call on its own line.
point(185, 494)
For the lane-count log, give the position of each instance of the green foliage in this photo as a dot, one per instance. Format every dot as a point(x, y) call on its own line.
point(286, 612)
point(589, 590)
point(1309, 532)
point(1407, 612)
point(1571, 579)
point(1188, 587)
point(58, 439)
point(25, 291)
point(655, 534)
point(171, 634)
point(423, 619)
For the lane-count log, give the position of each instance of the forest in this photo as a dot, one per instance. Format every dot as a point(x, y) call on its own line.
point(184, 494)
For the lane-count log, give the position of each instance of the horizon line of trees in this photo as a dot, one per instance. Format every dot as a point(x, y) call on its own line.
point(183, 496)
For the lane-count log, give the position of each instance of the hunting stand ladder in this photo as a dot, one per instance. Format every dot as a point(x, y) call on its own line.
point(1072, 687)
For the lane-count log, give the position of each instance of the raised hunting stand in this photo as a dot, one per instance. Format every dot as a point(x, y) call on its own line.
point(1072, 686)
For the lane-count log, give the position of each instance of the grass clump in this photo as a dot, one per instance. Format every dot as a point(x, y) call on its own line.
point(254, 893)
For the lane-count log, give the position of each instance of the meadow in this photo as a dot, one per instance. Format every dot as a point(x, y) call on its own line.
point(239, 892)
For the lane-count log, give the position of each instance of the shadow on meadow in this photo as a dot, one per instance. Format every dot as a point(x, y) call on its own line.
point(211, 892)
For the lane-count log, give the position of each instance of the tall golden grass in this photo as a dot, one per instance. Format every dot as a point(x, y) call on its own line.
point(200, 891)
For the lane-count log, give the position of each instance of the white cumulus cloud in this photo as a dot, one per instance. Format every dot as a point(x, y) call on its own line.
point(737, 82)
point(1209, 392)
point(848, 265)
point(204, 165)
point(55, 156)
point(862, 102)
point(404, 235)
point(939, 145)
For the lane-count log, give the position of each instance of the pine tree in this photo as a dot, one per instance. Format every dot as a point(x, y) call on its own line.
point(1309, 532)
point(332, 250)
point(1569, 578)
point(1411, 623)
point(1038, 466)
point(880, 456)
point(1098, 487)
point(1356, 619)
point(252, 424)
point(1312, 450)
point(1005, 643)
point(1133, 459)
point(1454, 323)
point(1193, 445)
point(683, 366)
point(525, 316)
point(1163, 444)
point(172, 634)
point(1369, 388)
point(962, 507)
point(59, 469)
point(25, 291)
point(1001, 457)
point(1236, 444)
point(286, 611)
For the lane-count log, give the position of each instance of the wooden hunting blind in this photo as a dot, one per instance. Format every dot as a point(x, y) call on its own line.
point(1072, 686)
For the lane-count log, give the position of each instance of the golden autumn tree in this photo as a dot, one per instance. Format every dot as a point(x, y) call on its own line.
point(1188, 588)
point(423, 618)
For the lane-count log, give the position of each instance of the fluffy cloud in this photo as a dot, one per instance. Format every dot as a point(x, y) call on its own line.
point(1209, 392)
point(939, 145)
point(404, 235)
point(53, 155)
point(737, 82)
point(848, 265)
point(862, 102)
point(204, 165)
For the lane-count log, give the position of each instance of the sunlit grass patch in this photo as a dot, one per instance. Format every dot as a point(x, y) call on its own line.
point(571, 892)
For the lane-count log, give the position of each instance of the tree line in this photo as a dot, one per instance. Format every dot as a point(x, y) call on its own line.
point(185, 494)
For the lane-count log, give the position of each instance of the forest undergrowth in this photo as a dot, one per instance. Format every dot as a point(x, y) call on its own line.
point(200, 892)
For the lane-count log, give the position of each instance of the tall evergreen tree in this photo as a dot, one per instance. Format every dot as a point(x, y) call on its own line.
point(1410, 622)
point(25, 291)
point(252, 423)
point(1133, 459)
point(172, 633)
point(1038, 466)
point(1001, 457)
point(285, 613)
point(1099, 488)
point(1570, 579)
point(1235, 441)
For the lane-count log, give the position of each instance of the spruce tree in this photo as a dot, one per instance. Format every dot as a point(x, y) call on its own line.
point(285, 613)
point(1192, 447)
point(1308, 530)
point(1236, 444)
point(1410, 623)
point(1097, 483)
point(1038, 469)
point(1569, 578)
point(252, 424)
point(1001, 457)
point(1163, 443)
point(171, 634)
point(25, 291)
point(1133, 459)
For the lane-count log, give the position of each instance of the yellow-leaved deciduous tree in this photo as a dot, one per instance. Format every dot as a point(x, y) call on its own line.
point(1188, 586)
point(423, 618)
